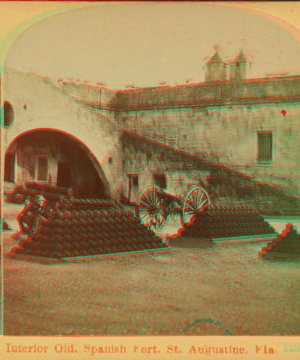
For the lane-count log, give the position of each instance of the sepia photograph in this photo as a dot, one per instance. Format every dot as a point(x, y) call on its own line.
point(150, 179)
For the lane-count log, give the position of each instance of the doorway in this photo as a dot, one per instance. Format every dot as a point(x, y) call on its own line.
point(9, 171)
point(64, 174)
point(133, 195)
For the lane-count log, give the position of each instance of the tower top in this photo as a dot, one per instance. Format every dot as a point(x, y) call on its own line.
point(241, 57)
point(215, 59)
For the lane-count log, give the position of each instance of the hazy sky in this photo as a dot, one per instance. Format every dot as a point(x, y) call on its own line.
point(145, 44)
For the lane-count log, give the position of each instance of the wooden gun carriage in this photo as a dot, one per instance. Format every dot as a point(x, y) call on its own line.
point(156, 206)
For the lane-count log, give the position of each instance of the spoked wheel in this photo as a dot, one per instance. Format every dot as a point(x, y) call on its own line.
point(151, 209)
point(197, 200)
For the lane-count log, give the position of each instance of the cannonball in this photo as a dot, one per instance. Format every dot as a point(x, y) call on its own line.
point(92, 252)
point(90, 229)
point(83, 252)
point(96, 214)
point(68, 238)
point(58, 215)
point(104, 213)
point(65, 214)
point(76, 214)
point(90, 214)
point(57, 223)
point(81, 222)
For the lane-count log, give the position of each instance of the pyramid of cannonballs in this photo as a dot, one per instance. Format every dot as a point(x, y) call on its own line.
point(5, 225)
point(227, 221)
point(286, 244)
point(89, 228)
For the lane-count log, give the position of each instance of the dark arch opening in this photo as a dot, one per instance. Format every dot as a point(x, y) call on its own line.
point(56, 158)
point(8, 114)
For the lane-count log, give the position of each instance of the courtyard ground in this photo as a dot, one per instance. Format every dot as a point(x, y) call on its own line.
point(187, 291)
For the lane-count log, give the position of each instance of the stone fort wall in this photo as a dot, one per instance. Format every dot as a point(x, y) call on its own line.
point(224, 124)
point(219, 120)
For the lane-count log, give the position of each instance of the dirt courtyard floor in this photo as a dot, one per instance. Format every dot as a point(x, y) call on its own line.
point(187, 291)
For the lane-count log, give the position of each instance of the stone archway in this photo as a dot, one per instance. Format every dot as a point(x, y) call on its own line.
point(57, 158)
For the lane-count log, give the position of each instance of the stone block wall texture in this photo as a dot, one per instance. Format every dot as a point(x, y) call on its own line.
point(217, 120)
point(227, 130)
point(38, 105)
point(146, 158)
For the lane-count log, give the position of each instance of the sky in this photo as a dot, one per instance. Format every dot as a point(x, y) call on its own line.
point(147, 44)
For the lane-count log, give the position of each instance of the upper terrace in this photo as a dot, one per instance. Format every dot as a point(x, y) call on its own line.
point(218, 93)
point(225, 84)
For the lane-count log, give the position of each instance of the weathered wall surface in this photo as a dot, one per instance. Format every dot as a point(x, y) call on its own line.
point(39, 105)
point(163, 97)
point(26, 159)
point(228, 133)
point(202, 95)
point(147, 158)
point(220, 121)
point(97, 97)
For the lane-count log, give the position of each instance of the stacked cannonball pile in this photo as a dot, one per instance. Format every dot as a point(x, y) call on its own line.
point(74, 233)
point(227, 221)
point(89, 204)
point(5, 225)
point(288, 243)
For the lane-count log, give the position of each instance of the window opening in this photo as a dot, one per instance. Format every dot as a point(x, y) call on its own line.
point(133, 194)
point(9, 171)
point(42, 168)
point(265, 146)
point(160, 180)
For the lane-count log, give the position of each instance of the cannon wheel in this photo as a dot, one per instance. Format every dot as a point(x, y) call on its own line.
point(197, 200)
point(151, 209)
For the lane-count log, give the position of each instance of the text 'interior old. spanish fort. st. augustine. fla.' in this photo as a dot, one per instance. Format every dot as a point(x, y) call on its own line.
point(92, 350)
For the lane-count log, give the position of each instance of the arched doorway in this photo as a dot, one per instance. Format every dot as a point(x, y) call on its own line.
point(56, 158)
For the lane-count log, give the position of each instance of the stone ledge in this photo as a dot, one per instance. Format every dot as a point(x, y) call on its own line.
point(36, 259)
point(244, 240)
point(279, 257)
point(185, 242)
point(51, 261)
point(191, 243)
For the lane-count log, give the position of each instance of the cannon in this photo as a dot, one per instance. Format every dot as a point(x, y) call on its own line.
point(156, 206)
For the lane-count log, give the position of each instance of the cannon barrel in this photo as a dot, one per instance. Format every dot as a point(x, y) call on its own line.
point(51, 197)
point(47, 188)
point(168, 197)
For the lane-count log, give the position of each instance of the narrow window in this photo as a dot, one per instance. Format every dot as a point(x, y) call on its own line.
point(8, 114)
point(133, 195)
point(135, 180)
point(265, 146)
point(64, 174)
point(160, 180)
point(42, 168)
point(171, 142)
point(9, 171)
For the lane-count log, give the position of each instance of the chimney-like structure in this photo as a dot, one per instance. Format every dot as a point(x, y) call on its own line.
point(238, 68)
point(232, 71)
point(214, 69)
point(241, 67)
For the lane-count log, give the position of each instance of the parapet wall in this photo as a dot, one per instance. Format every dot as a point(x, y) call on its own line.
point(201, 95)
point(193, 95)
